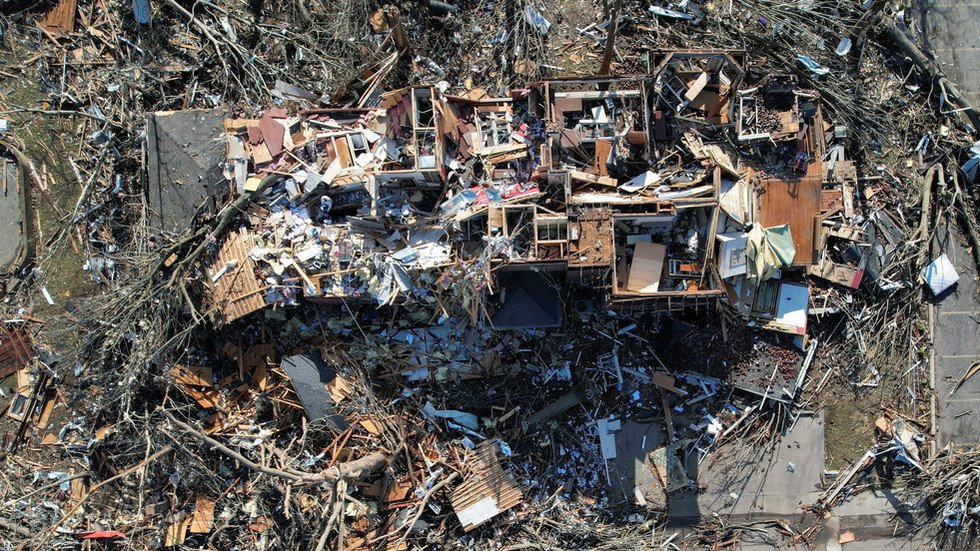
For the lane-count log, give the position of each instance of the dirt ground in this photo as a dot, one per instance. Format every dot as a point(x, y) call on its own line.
point(49, 141)
point(849, 427)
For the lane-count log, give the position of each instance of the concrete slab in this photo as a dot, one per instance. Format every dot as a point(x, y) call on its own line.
point(831, 534)
point(884, 544)
point(11, 238)
point(629, 470)
point(761, 480)
point(872, 516)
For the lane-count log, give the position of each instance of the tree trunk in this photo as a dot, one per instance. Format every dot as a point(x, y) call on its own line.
point(611, 30)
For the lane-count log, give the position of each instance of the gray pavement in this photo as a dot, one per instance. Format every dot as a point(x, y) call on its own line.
point(950, 29)
point(957, 345)
point(745, 482)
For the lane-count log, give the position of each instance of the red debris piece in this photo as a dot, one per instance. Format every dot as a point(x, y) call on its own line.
point(101, 535)
point(272, 134)
point(254, 135)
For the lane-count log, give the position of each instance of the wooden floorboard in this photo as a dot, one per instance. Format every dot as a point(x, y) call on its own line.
point(795, 202)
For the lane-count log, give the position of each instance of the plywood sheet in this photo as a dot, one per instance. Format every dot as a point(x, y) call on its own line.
point(61, 19)
point(697, 86)
point(202, 519)
point(647, 266)
point(593, 246)
point(831, 201)
point(795, 202)
point(343, 153)
point(602, 150)
point(196, 383)
point(15, 349)
point(272, 134)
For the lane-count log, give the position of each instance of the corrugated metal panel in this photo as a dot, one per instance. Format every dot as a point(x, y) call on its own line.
point(237, 293)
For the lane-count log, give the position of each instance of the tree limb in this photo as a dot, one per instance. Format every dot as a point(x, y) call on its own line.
point(351, 470)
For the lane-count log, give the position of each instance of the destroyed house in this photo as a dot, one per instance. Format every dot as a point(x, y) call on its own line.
point(589, 118)
point(640, 187)
point(648, 229)
point(773, 110)
point(777, 211)
point(349, 171)
point(696, 85)
point(591, 202)
point(413, 120)
point(495, 191)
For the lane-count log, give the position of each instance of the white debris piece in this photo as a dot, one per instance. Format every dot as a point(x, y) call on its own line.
point(642, 181)
point(607, 436)
point(940, 275)
point(467, 420)
point(479, 512)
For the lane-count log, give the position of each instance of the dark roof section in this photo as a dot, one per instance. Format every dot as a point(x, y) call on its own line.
point(184, 165)
point(529, 301)
point(310, 374)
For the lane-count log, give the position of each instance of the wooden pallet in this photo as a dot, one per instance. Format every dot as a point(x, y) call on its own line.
point(15, 349)
point(489, 491)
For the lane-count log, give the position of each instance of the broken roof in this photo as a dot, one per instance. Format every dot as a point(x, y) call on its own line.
point(310, 375)
point(528, 299)
point(184, 165)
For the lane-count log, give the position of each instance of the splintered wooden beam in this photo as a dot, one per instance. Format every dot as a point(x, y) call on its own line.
point(667, 418)
point(593, 178)
point(61, 19)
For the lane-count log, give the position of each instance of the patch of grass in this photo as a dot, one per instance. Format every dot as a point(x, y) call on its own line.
point(50, 141)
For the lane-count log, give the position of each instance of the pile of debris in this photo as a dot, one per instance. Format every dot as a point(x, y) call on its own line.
point(451, 298)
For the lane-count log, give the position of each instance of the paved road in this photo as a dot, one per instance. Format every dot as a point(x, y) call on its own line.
point(957, 344)
point(951, 30)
